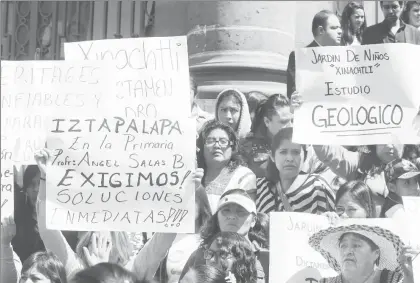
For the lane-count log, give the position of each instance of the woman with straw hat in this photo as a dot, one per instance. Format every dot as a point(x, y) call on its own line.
point(364, 254)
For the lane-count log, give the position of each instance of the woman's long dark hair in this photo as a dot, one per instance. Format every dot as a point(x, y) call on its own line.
point(348, 32)
point(48, 265)
point(360, 192)
point(210, 126)
point(244, 266)
point(258, 233)
point(266, 109)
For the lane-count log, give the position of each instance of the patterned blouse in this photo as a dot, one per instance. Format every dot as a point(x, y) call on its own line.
point(308, 193)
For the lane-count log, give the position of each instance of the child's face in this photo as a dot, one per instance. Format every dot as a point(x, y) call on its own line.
point(407, 187)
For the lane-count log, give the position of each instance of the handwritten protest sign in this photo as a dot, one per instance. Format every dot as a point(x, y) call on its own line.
point(121, 174)
point(6, 189)
point(301, 263)
point(150, 74)
point(6, 174)
point(33, 90)
point(358, 95)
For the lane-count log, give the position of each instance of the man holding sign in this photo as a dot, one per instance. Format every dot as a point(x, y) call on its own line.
point(327, 31)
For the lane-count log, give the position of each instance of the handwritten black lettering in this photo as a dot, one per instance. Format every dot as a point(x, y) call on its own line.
point(325, 58)
point(347, 90)
point(61, 183)
point(350, 116)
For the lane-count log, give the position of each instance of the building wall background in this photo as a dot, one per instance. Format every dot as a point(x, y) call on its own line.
point(240, 44)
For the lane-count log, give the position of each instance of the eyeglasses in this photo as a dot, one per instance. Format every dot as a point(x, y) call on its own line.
point(209, 254)
point(222, 142)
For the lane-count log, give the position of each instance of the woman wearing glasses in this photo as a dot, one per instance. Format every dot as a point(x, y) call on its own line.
point(220, 164)
point(236, 213)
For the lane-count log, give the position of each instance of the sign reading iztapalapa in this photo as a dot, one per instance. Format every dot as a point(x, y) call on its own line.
point(121, 174)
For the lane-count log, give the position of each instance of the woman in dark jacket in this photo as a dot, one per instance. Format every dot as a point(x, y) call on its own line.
point(27, 240)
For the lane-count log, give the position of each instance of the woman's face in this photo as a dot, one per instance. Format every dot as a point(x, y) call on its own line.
point(217, 148)
point(33, 276)
point(288, 158)
point(229, 111)
point(389, 152)
point(356, 255)
point(281, 119)
point(235, 218)
point(407, 187)
point(348, 207)
point(414, 15)
point(357, 19)
point(218, 257)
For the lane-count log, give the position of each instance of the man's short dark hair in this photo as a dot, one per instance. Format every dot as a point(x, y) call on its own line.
point(320, 19)
point(400, 2)
point(193, 85)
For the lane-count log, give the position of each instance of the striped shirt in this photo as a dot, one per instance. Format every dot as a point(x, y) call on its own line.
point(308, 193)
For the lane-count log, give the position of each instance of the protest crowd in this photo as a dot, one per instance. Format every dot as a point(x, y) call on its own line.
point(247, 166)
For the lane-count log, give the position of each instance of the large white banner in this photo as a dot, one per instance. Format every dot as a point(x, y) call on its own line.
point(31, 91)
point(150, 74)
point(121, 174)
point(358, 95)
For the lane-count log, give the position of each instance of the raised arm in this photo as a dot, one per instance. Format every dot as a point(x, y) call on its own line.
point(11, 266)
point(54, 240)
point(342, 162)
point(151, 255)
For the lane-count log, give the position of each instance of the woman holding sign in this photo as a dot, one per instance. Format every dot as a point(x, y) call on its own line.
point(364, 254)
point(223, 167)
point(92, 248)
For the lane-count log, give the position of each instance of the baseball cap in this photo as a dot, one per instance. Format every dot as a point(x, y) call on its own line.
point(400, 169)
point(243, 200)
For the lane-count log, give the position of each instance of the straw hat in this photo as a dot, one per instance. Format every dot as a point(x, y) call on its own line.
point(390, 245)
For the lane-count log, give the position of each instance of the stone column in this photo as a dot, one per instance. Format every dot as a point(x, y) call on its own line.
point(241, 44)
